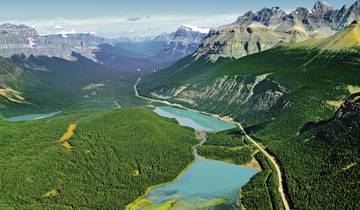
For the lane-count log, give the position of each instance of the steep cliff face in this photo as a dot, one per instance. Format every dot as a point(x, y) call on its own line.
point(243, 95)
point(255, 32)
point(239, 41)
point(346, 15)
point(17, 36)
point(21, 39)
point(62, 45)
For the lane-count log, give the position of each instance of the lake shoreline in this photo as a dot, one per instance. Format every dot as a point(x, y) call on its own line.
point(202, 137)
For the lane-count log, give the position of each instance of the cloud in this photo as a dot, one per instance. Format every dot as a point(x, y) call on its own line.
point(138, 18)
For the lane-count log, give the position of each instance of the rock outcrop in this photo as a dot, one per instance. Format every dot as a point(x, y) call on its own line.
point(239, 95)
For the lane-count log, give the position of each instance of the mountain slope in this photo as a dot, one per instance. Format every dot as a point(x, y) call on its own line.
point(275, 93)
point(55, 84)
point(9, 75)
point(346, 39)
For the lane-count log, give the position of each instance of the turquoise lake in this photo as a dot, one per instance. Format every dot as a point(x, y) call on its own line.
point(195, 120)
point(31, 117)
point(206, 184)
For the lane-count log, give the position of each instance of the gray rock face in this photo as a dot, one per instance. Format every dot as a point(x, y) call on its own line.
point(240, 94)
point(17, 36)
point(348, 15)
point(21, 39)
point(63, 45)
point(184, 41)
point(254, 32)
point(265, 16)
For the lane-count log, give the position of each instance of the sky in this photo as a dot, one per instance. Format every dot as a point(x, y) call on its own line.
point(116, 18)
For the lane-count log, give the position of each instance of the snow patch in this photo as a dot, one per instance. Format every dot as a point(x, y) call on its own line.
point(58, 26)
point(188, 27)
point(31, 42)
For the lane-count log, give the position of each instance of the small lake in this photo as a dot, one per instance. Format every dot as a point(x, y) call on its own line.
point(206, 184)
point(31, 117)
point(195, 120)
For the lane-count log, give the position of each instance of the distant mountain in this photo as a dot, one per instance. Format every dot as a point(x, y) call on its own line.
point(184, 41)
point(168, 46)
point(21, 39)
point(122, 54)
point(255, 32)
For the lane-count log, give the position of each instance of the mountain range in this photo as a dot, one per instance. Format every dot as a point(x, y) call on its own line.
point(255, 32)
point(168, 46)
point(152, 53)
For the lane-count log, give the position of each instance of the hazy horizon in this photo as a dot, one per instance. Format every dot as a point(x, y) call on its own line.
point(126, 19)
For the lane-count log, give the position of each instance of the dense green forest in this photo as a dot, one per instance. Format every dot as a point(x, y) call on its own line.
point(315, 83)
point(114, 157)
point(228, 146)
point(261, 192)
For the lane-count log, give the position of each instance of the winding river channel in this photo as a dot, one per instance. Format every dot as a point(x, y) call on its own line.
point(205, 184)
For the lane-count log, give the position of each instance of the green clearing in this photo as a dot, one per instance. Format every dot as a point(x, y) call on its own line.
point(63, 86)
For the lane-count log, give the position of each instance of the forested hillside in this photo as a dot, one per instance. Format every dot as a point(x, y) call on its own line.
point(275, 93)
point(64, 163)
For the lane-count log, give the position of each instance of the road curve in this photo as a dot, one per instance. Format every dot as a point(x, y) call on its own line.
point(267, 155)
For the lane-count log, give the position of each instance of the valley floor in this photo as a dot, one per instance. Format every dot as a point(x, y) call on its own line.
point(274, 164)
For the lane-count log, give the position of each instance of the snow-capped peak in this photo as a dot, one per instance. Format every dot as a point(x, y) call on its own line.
point(188, 27)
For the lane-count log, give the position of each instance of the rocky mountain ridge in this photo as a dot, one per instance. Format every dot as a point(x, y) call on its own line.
point(255, 32)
